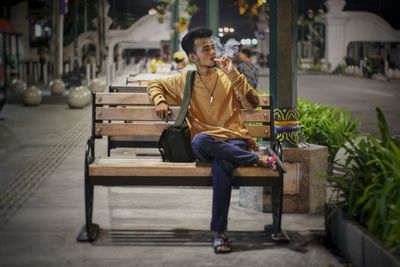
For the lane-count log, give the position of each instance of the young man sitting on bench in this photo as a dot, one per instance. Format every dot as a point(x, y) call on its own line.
point(219, 135)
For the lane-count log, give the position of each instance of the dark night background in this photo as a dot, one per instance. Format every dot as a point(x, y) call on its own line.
point(125, 12)
point(229, 15)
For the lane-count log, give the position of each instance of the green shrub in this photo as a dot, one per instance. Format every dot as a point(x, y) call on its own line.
point(340, 69)
point(324, 125)
point(316, 67)
point(369, 188)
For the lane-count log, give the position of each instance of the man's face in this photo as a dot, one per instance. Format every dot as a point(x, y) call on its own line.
point(204, 53)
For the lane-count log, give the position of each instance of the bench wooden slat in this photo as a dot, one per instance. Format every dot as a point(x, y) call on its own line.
point(154, 130)
point(128, 89)
point(255, 115)
point(132, 83)
point(127, 99)
point(259, 131)
point(148, 113)
point(157, 168)
point(129, 129)
point(177, 181)
point(122, 99)
point(130, 78)
point(134, 138)
point(142, 113)
point(143, 99)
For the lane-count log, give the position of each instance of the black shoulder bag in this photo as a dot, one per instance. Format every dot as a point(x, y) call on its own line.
point(175, 144)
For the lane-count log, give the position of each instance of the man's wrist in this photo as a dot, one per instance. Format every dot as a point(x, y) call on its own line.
point(159, 99)
point(233, 75)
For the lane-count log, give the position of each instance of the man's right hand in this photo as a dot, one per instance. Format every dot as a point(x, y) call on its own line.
point(163, 111)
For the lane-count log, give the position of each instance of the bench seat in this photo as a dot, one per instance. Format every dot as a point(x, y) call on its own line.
point(128, 171)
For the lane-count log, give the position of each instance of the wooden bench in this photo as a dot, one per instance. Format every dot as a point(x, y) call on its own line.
point(130, 80)
point(132, 115)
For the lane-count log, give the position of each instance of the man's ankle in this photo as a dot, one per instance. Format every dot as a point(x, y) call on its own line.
point(219, 234)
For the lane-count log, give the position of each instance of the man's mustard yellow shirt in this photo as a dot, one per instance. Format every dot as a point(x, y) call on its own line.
point(221, 118)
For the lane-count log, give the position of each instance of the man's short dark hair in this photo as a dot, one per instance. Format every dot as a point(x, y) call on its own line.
point(188, 40)
point(246, 51)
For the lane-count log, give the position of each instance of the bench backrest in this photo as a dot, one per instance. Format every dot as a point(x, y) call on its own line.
point(127, 89)
point(132, 114)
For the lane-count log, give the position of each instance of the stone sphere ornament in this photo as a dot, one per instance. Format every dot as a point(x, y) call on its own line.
point(57, 87)
point(97, 85)
point(32, 96)
point(78, 97)
point(17, 86)
point(87, 93)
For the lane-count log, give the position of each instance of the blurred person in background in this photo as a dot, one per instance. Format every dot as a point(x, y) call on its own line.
point(155, 62)
point(180, 64)
point(248, 69)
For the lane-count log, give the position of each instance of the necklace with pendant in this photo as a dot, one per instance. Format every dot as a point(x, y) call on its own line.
point(210, 91)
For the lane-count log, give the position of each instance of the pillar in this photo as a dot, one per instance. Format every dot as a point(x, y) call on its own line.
point(304, 188)
point(174, 28)
point(283, 70)
point(335, 21)
point(212, 15)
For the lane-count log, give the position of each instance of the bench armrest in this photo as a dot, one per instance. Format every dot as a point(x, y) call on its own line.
point(276, 149)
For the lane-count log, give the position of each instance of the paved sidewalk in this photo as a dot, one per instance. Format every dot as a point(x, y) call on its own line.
point(41, 166)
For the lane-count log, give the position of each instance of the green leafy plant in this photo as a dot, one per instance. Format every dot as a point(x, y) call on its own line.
point(192, 9)
point(340, 69)
point(369, 188)
point(160, 19)
point(162, 7)
point(316, 67)
point(324, 125)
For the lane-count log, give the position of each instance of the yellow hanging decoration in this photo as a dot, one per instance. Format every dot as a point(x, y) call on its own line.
point(243, 6)
point(182, 24)
point(254, 10)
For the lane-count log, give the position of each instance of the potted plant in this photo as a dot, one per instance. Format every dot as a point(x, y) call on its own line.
point(327, 126)
point(162, 7)
point(192, 9)
point(160, 19)
point(363, 221)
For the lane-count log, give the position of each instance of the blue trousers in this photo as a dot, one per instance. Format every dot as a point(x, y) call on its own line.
point(225, 156)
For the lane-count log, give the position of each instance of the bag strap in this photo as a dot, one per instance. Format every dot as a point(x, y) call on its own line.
point(186, 98)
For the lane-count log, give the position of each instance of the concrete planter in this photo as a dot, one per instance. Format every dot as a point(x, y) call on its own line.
point(304, 189)
point(357, 245)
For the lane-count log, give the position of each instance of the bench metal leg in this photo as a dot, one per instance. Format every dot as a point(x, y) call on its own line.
point(89, 231)
point(108, 146)
point(275, 231)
